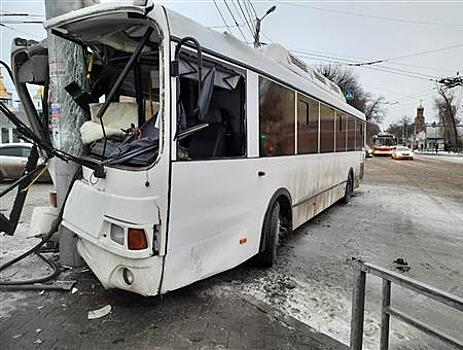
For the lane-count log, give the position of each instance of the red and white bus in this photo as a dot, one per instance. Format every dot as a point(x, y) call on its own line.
point(384, 144)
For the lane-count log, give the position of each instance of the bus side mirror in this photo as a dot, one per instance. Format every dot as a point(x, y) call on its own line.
point(30, 62)
point(205, 96)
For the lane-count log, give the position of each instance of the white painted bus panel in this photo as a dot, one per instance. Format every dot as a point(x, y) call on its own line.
point(216, 203)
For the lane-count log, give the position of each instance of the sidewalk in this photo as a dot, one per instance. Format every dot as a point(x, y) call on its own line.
point(197, 317)
point(440, 153)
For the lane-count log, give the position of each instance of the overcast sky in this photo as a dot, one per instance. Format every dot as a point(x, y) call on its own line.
point(338, 32)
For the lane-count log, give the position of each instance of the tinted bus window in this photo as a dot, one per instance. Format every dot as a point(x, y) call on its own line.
point(326, 129)
point(341, 131)
point(359, 134)
point(307, 125)
point(276, 119)
point(351, 133)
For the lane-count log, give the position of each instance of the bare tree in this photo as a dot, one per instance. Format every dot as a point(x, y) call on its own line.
point(447, 109)
point(403, 129)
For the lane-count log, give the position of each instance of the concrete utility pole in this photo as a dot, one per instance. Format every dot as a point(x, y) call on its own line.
point(67, 64)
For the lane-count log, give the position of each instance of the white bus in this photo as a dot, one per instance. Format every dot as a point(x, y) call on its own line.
point(223, 149)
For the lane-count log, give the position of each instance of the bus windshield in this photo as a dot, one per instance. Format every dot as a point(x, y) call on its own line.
point(384, 141)
point(121, 92)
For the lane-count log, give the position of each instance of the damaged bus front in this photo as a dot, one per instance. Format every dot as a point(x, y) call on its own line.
point(119, 212)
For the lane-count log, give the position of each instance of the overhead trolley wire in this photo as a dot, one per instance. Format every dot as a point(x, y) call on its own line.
point(234, 19)
point(243, 14)
point(222, 17)
point(252, 18)
point(252, 7)
point(344, 62)
point(353, 58)
point(393, 19)
point(17, 30)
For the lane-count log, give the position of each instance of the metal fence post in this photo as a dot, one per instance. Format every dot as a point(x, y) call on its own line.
point(384, 343)
point(358, 306)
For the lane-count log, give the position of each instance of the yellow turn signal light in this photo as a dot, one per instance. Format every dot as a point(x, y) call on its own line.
point(137, 239)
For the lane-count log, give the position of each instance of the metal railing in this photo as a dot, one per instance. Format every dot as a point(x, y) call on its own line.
point(387, 311)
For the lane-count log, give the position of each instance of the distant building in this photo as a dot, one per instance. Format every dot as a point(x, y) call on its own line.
point(420, 129)
point(435, 135)
point(428, 135)
point(419, 120)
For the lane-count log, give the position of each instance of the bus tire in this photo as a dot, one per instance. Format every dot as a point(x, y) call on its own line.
point(349, 188)
point(271, 237)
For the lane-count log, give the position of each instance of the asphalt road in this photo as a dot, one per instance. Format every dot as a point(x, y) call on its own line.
point(407, 209)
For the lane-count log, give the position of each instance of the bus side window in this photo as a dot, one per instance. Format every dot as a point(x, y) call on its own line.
point(351, 133)
point(224, 134)
point(326, 129)
point(341, 131)
point(307, 125)
point(276, 119)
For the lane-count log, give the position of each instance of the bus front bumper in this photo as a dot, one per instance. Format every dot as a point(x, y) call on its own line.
point(140, 276)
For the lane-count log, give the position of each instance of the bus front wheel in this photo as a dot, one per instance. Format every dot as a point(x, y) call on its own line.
point(271, 237)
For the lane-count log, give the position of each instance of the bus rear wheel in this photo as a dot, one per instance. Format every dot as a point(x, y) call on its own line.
point(271, 232)
point(349, 189)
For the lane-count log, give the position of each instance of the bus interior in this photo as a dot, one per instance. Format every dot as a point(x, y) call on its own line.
point(121, 92)
point(220, 133)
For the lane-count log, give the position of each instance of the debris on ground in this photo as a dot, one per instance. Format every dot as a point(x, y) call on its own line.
point(99, 312)
point(401, 265)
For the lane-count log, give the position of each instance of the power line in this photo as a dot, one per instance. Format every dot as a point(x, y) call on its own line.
point(250, 15)
point(251, 28)
point(221, 16)
point(234, 19)
point(241, 14)
point(409, 55)
point(345, 62)
point(391, 63)
point(348, 62)
point(22, 22)
point(17, 30)
point(383, 18)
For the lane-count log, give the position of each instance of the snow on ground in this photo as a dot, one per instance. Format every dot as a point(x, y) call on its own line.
point(12, 246)
point(446, 158)
point(325, 308)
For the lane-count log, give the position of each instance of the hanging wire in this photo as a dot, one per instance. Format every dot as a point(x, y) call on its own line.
point(222, 17)
point(234, 19)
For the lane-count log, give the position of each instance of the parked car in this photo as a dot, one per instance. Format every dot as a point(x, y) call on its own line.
point(368, 151)
point(402, 152)
point(13, 159)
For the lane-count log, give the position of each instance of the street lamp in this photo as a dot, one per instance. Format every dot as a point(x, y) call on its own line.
point(258, 20)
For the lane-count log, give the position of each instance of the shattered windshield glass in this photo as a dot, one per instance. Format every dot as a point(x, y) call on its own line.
point(122, 89)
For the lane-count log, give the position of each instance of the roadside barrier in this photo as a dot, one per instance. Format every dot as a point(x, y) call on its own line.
point(361, 269)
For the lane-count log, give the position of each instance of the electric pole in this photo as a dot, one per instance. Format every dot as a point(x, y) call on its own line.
point(66, 64)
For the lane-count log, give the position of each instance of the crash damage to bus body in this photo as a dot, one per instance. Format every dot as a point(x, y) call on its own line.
point(198, 148)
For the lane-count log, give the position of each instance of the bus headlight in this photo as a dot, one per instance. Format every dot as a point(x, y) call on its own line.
point(117, 234)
